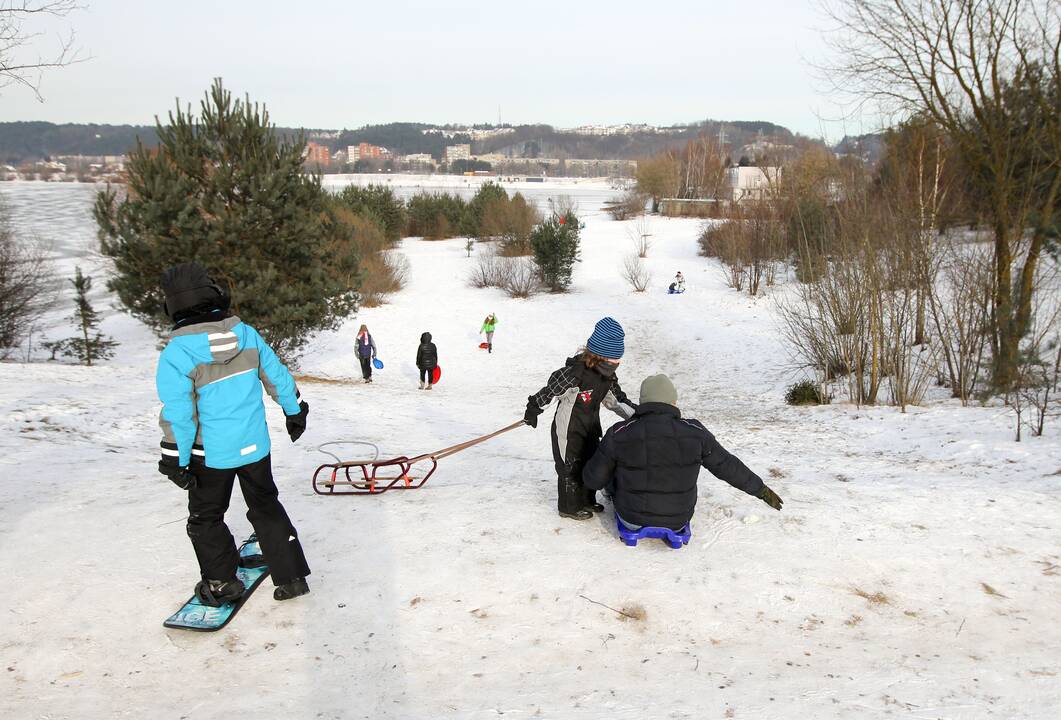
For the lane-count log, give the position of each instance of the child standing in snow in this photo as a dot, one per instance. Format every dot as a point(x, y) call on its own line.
point(489, 325)
point(650, 463)
point(366, 351)
point(426, 360)
point(586, 381)
point(210, 377)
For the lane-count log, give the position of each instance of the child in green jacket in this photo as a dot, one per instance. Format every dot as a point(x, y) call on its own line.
point(489, 325)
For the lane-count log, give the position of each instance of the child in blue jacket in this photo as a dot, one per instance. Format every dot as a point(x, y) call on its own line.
point(209, 379)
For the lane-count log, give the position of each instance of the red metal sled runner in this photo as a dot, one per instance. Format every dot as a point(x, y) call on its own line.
point(363, 477)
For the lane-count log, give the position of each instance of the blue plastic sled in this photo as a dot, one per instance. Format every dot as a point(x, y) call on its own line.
point(672, 291)
point(673, 538)
point(377, 363)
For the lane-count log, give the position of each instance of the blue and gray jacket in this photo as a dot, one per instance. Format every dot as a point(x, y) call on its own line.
point(210, 379)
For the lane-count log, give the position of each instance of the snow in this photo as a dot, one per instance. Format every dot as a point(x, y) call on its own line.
point(914, 572)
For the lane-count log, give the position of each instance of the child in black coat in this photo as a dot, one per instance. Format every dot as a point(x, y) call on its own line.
point(426, 360)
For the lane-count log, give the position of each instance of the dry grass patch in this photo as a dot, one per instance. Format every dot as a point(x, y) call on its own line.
point(322, 380)
point(877, 598)
point(988, 590)
point(633, 611)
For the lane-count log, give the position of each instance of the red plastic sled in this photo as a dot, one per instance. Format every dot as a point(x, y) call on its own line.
point(484, 346)
point(436, 375)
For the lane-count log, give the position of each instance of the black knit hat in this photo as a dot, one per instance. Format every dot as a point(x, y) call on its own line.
point(188, 287)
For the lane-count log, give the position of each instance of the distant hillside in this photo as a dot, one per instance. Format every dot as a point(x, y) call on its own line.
point(29, 141)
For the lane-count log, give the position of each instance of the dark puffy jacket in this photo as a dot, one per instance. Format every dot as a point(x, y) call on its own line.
point(427, 353)
point(650, 464)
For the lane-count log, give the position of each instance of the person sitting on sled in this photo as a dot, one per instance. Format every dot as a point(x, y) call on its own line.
point(649, 464)
point(586, 381)
point(489, 325)
point(426, 360)
point(209, 379)
point(678, 286)
point(366, 351)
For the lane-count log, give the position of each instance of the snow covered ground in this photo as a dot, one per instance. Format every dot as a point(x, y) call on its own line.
point(915, 571)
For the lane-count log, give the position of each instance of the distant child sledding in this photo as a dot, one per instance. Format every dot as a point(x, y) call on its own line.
point(649, 464)
point(586, 381)
point(678, 286)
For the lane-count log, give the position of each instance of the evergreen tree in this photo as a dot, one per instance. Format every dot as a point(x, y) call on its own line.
point(228, 191)
point(379, 203)
point(90, 344)
point(488, 193)
point(556, 250)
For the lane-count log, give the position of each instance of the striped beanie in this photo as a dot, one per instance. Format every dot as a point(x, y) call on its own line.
point(607, 339)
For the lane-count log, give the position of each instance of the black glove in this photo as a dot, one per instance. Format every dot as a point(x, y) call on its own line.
point(296, 424)
point(771, 498)
point(182, 477)
point(531, 416)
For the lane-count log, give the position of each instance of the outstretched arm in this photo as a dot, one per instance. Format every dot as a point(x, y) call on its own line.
point(726, 466)
point(617, 401)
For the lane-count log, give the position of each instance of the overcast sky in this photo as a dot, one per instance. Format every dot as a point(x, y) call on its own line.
point(320, 64)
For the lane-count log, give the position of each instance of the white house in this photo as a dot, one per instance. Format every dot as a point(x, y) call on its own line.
point(751, 183)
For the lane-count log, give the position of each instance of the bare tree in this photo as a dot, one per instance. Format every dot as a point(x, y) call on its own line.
point(16, 16)
point(26, 286)
point(987, 72)
point(639, 236)
point(635, 272)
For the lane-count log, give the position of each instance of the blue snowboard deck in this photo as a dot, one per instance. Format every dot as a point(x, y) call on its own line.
point(206, 618)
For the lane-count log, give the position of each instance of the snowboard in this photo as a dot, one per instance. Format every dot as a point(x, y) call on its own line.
point(205, 618)
point(436, 375)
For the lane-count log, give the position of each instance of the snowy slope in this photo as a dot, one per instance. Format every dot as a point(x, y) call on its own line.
point(915, 571)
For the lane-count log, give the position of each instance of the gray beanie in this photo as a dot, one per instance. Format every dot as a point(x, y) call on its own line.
point(659, 389)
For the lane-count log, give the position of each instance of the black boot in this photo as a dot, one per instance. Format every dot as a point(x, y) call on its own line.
point(569, 499)
point(216, 593)
point(292, 589)
point(589, 500)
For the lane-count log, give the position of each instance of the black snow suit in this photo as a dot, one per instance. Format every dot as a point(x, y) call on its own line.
point(426, 353)
point(649, 464)
point(576, 428)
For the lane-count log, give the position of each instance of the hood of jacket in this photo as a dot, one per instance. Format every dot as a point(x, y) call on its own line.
point(425, 338)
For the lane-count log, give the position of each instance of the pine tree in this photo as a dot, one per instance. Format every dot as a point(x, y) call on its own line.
point(556, 250)
point(226, 190)
point(90, 344)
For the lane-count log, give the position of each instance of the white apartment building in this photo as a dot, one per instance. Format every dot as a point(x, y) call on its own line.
point(457, 152)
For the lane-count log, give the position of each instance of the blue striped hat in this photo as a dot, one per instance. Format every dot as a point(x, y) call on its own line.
point(607, 339)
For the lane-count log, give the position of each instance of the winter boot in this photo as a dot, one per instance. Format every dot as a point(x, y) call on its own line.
point(216, 593)
point(290, 590)
point(589, 500)
point(421, 384)
point(428, 386)
point(569, 499)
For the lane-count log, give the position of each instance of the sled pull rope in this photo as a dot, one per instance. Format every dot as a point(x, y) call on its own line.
point(454, 449)
point(375, 449)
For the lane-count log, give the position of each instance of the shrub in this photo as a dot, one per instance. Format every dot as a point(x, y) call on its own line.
point(635, 273)
point(804, 392)
point(556, 250)
point(379, 203)
point(511, 222)
point(631, 204)
point(489, 193)
point(434, 216)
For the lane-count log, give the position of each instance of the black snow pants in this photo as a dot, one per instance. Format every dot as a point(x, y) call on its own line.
point(571, 494)
point(366, 367)
point(213, 543)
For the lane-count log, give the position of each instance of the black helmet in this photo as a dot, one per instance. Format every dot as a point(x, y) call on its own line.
point(189, 291)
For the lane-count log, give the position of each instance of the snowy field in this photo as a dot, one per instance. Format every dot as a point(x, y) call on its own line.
point(915, 571)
